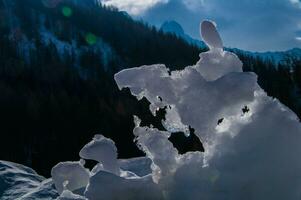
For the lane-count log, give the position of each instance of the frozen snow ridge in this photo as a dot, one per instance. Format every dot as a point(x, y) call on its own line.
point(252, 141)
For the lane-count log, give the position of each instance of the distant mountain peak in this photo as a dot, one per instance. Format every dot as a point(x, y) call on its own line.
point(277, 57)
point(172, 27)
point(175, 28)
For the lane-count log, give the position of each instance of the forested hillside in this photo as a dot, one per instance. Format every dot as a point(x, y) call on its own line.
point(56, 78)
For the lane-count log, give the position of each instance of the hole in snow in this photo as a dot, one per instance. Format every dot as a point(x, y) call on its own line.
point(245, 109)
point(223, 125)
point(147, 118)
point(186, 144)
point(90, 164)
point(220, 121)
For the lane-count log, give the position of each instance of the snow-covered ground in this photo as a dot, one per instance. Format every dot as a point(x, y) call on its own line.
point(20, 182)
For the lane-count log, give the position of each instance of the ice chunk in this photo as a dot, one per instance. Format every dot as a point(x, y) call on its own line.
point(105, 186)
point(247, 155)
point(184, 91)
point(159, 149)
point(216, 62)
point(104, 151)
point(140, 166)
point(70, 175)
point(210, 35)
point(68, 195)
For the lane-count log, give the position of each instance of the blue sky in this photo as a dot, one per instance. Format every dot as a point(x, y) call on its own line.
point(256, 25)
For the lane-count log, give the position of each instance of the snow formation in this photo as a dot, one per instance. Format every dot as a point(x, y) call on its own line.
point(22, 183)
point(252, 141)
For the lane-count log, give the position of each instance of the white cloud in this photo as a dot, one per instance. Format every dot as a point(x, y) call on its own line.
point(194, 5)
point(133, 7)
point(296, 2)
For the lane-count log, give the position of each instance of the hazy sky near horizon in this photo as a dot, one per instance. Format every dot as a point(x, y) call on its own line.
point(256, 25)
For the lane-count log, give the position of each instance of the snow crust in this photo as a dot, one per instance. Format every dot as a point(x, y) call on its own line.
point(252, 141)
point(20, 182)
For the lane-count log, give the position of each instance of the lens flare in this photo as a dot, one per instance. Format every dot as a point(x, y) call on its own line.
point(67, 11)
point(91, 38)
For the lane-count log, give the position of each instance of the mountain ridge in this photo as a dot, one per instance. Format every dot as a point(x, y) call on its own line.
point(277, 57)
point(173, 27)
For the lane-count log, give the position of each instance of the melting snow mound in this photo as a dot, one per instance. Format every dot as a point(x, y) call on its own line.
point(251, 141)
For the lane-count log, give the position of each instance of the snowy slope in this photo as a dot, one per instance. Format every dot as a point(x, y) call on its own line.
point(20, 182)
point(26, 44)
